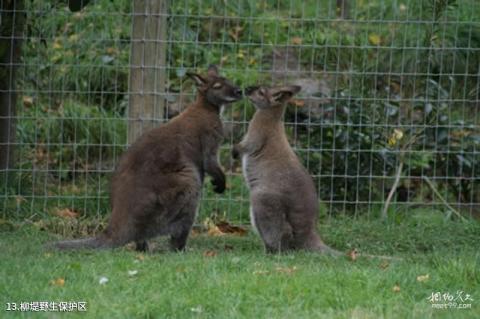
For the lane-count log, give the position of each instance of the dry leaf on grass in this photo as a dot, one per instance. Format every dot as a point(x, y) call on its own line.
point(236, 32)
point(214, 231)
point(423, 278)
point(221, 228)
point(59, 282)
point(66, 213)
point(103, 280)
point(227, 228)
point(396, 288)
point(261, 272)
point(209, 253)
point(286, 270)
point(353, 254)
point(374, 39)
point(384, 264)
point(296, 40)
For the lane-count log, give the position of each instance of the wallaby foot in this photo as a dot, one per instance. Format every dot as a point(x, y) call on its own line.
point(178, 243)
point(141, 245)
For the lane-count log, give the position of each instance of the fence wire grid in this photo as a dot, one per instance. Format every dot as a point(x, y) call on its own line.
point(388, 114)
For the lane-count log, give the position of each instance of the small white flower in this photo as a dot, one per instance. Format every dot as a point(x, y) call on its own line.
point(197, 309)
point(103, 280)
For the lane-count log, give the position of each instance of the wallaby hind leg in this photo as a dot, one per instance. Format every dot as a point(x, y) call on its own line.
point(269, 219)
point(181, 226)
point(141, 245)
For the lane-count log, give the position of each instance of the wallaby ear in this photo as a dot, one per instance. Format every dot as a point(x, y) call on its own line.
point(199, 80)
point(212, 70)
point(284, 93)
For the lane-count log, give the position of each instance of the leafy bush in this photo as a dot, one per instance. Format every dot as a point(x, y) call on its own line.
point(388, 77)
point(81, 55)
point(72, 137)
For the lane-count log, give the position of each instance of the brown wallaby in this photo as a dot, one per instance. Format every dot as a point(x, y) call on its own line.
point(283, 198)
point(156, 187)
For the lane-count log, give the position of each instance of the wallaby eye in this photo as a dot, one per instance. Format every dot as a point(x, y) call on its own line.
point(217, 85)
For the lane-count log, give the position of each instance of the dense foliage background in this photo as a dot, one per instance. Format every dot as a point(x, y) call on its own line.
point(396, 83)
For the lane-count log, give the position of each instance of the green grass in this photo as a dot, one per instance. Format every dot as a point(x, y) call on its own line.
point(242, 282)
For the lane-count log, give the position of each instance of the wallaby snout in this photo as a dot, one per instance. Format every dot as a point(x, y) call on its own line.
point(266, 97)
point(217, 89)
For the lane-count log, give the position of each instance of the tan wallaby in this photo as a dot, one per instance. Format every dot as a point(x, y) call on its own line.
point(156, 187)
point(283, 199)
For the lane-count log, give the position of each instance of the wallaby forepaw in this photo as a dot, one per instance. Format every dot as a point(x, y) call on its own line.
point(219, 186)
point(235, 152)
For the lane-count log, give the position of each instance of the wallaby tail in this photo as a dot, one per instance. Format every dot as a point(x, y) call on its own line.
point(99, 242)
point(315, 244)
point(324, 249)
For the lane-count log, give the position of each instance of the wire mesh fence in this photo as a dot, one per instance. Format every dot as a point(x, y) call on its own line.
point(387, 120)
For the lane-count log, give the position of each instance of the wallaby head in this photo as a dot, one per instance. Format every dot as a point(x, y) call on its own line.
point(264, 97)
point(216, 89)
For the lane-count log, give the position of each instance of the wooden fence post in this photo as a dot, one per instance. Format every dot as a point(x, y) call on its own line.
point(12, 15)
point(147, 66)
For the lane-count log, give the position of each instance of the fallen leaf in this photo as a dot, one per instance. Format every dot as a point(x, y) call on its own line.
point(286, 270)
point(27, 101)
point(57, 45)
point(180, 269)
point(384, 264)
point(261, 272)
point(227, 228)
point(209, 253)
point(140, 257)
point(241, 54)
point(396, 288)
point(353, 254)
point(103, 280)
point(66, 213)
point(374, 39)
point(396, 136)
point(132, 272)
point(236, 32)
point(214, 231)
point(296, 40)
point(423, 278)
point(111, 51)
point(73, 38)
point(59, 282)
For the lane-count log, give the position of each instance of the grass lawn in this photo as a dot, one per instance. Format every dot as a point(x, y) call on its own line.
point(231, 277)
